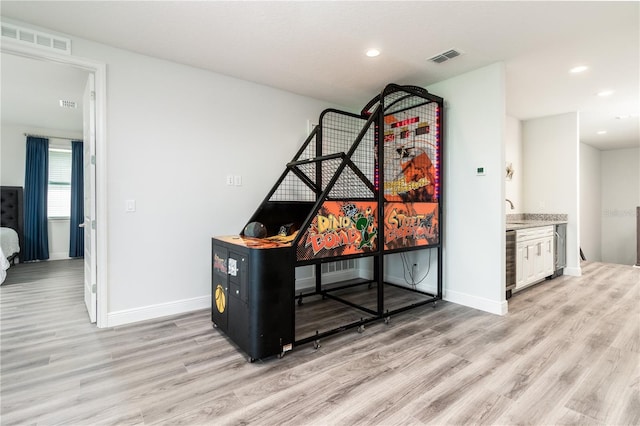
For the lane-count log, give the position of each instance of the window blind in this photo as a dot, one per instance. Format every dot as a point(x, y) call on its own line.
point(59, 193)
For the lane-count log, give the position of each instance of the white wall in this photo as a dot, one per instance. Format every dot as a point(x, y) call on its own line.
point(620, 197)
point(173, 133)
point(590, 202)
point(12, 155)
point(58, 231)
point(474, 136)
point(514, 188)
point(551, 174)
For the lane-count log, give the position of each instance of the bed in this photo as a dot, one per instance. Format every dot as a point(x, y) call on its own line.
point(11, 227)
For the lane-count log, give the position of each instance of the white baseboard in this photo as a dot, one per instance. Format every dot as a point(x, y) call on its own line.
point(487, 305)
point(400, 281)
point(59, 256)
point(573, 271)
point(144, 313)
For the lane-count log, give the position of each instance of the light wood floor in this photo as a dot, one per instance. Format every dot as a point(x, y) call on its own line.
point(568, 352)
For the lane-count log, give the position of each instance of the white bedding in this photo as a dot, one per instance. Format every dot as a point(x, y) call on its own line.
point(9, 241)
point(4, 265)
point(9, 244)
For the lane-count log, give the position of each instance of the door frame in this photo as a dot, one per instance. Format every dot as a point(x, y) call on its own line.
point(99, 69)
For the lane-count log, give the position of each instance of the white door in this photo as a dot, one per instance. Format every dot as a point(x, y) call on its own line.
point(89, 148)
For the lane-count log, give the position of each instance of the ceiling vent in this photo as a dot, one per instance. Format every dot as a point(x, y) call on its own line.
point(68, 104)
point(445, 56)
point(26, 36)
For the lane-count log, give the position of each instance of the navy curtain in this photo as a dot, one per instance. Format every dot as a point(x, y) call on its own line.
point(36, 238)
point(76, 234)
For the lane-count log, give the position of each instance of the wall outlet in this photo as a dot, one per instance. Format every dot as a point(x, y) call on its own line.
point(237, 180)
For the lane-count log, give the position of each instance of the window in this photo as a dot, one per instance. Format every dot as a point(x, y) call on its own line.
point(59, 193)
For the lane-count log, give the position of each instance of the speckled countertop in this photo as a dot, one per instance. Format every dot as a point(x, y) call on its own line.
point(532, 220)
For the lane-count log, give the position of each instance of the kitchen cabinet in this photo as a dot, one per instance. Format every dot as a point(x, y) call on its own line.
point(534, 255)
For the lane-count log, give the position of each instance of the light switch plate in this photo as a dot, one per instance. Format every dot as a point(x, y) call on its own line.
point(130, 206)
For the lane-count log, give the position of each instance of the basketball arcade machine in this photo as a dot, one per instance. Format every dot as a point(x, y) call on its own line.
point(361, 186)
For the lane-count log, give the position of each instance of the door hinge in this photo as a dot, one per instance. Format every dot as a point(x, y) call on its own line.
point(93, 224)
point(93, 160)
point(93, 95)
point(94, 288)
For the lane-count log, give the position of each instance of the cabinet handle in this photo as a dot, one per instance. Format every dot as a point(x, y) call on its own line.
point(539, 249)
point(527, 253)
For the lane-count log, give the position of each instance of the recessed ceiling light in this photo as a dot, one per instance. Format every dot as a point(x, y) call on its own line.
point(601, 132)
point(372, 53)
point(605, 93)
point(578, 69)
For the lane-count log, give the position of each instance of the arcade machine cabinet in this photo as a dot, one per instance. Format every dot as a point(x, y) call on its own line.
point(362, 185)
point(253, 303)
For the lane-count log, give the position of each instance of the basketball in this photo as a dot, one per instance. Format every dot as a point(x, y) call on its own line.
point(255, 230)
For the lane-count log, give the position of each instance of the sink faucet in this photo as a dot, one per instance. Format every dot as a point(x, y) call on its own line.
point(510, 203)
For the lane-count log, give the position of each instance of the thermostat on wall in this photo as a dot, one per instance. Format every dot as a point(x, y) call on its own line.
point(480, 171)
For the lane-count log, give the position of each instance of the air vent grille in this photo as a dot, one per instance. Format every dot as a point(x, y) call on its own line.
point(9, 32)
point(445, 56)
point(341, 265)
point(37, 39)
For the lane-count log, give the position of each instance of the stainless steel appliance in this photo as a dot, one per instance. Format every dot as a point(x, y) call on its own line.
point(510, 262)
point(561, 249)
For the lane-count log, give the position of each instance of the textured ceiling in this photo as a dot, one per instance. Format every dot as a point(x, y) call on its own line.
point(317, 48)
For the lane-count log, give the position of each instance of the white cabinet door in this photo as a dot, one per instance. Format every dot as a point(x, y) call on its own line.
point(534, 255)
point(538, 260)
point(521, 260)
point(531, 267)
point(525, 264)
point(542, 256)
point(548, 254)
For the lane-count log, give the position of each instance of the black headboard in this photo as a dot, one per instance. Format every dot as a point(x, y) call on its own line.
point(11, 213)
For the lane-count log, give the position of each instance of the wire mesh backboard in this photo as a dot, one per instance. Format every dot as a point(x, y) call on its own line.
point(338, 131)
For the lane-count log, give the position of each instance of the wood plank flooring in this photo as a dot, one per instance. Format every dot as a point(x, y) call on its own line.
point(568, 352)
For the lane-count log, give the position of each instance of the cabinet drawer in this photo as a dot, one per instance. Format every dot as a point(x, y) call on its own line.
point(534, 233)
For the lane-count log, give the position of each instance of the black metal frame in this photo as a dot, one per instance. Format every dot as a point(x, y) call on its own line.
point(373, 117)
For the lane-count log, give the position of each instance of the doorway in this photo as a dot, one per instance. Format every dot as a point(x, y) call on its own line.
point(77, 72)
